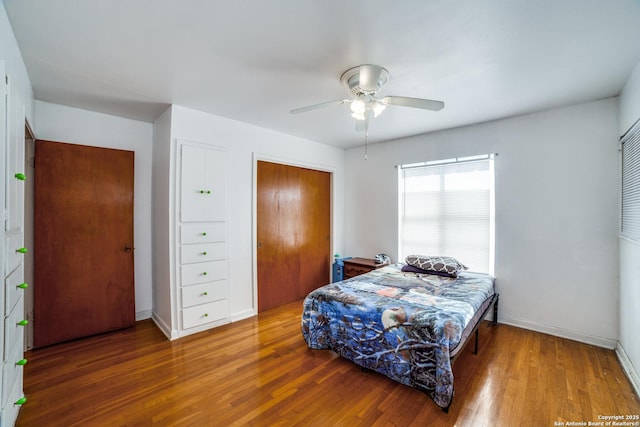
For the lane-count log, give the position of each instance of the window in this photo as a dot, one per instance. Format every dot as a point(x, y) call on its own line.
point(446, 208)
point(630, 224)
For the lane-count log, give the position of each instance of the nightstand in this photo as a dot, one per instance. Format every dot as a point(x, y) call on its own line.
point(356, 266)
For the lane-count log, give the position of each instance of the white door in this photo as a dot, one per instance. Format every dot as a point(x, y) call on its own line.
point(202, 184)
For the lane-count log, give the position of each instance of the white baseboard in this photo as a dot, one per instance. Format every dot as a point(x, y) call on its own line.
point(143, 315)
point(242, 315)
point(164, 328)
point(559, 332)
point(628, 368)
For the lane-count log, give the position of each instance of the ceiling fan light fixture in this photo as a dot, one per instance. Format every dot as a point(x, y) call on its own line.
point(377, 107)
point(358, 108)
point(363, 82)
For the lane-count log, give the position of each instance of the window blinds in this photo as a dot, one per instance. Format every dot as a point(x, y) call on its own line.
point(446, 208)
point(630, 224)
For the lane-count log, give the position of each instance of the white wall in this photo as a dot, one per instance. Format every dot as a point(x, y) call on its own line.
point(21, 95)
point(629, 346)
point(76, 126)
point(163, 295)
point(246, 143)
point(630, 101)
point(556, 212)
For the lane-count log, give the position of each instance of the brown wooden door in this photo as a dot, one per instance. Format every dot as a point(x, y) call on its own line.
point(293, 227)
point(83, 242)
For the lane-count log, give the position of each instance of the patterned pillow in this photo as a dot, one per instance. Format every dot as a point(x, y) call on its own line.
point(438, 264)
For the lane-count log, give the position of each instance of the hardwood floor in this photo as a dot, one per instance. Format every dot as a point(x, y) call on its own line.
point(259, 372)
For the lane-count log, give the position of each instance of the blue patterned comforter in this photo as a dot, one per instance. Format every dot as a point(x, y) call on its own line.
point(403, 325)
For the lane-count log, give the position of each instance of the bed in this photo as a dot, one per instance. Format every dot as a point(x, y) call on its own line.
point(408, 326)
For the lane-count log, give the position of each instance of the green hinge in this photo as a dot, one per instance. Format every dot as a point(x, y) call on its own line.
point(23, 286)
point(24, 322)
point(22, 250)
point(21, 362)
point(20, 176)
point(21, 401)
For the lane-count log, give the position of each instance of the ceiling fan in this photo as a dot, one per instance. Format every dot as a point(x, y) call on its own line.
point(364, 82)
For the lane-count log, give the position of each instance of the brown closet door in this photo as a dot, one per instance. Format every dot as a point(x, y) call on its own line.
point(293, 209)
point(83, 254)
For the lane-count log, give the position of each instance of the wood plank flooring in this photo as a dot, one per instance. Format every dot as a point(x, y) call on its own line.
point(259, 372)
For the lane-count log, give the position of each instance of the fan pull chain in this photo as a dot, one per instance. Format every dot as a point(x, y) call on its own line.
point(366, 133)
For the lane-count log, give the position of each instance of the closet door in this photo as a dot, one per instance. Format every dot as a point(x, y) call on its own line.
point(293, 227)
point(83, 254)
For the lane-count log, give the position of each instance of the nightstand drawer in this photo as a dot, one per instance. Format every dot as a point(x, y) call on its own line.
point(355, 270)
point(356, 266)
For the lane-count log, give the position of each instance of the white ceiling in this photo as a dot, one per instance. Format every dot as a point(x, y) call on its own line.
point(254, 60)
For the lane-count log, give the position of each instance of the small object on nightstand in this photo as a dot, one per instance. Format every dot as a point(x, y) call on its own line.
point(382, 258)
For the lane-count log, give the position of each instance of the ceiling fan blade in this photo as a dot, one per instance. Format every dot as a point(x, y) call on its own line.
point(321, 105)
point(369, 78)
point(425, 104)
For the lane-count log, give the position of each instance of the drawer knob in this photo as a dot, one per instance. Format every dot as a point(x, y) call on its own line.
point(22, 250)
point(208, 191)
point(23, 286)
point(201, 191)
point(205, 293)
point(20, 176)
point(21, 401)
point(204, 253)
point(21, 362)
point(206, 315)
point(204, 273)
point(23, 322)
point(204, 233)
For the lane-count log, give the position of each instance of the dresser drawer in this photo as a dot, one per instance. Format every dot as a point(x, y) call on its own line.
point(202, 272)
point(203, 252)
point(13, 331)
point(11, 290)
point(202, 232)
point(12, 369)
point(12, 404)
point(204, 293)
point(13, 244)
point(205, 313)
